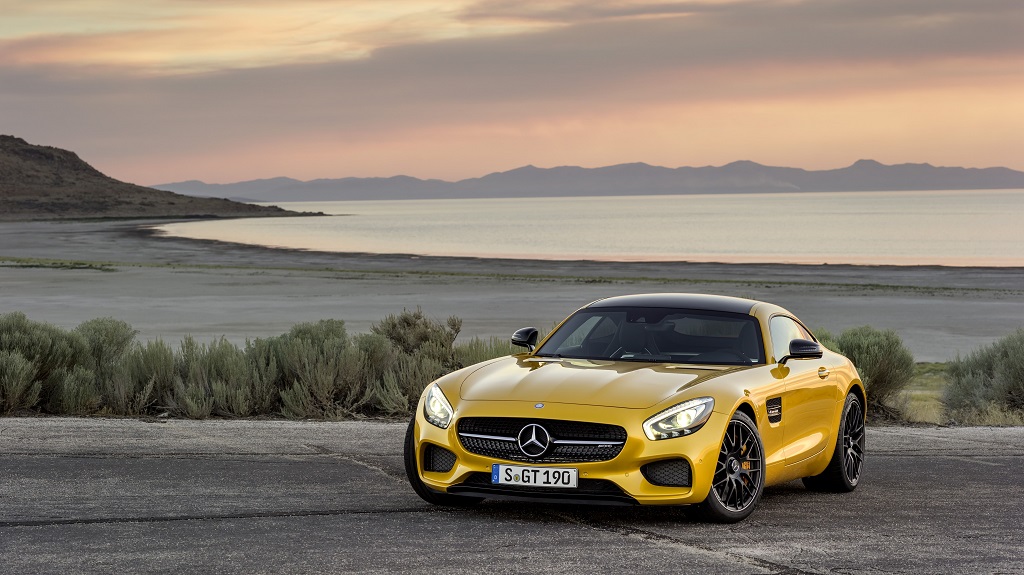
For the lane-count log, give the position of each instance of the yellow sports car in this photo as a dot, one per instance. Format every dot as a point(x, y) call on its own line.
point(653, 399)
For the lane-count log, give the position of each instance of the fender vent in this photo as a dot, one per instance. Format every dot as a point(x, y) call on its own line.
point(774, 406)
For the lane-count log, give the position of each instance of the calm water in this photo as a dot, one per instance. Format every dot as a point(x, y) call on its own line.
point(959, 228)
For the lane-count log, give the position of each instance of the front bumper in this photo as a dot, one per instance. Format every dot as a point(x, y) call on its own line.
point(618, 480)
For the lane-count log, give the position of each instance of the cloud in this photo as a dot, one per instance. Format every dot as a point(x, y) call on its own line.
point(600, 63)
point(575, 11)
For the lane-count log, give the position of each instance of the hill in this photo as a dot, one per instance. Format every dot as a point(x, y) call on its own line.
point(620, 180)
point(41, 182)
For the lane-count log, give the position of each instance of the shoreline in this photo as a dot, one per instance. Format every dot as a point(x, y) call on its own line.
point(150, 231)
point(169, 287)
point(154, 231)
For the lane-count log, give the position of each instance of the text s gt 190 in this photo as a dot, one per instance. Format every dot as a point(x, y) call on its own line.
point(656, 399)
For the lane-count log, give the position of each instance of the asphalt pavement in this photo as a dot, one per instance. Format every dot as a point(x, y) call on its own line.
point(127, 496)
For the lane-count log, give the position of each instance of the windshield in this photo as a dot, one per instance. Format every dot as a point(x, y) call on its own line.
point(657, 335)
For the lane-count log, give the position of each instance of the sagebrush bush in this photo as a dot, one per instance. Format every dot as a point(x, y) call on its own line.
point(74, 392)
point(261, 355)
point(883, 361)
point(313, 358)
point(413, 332)
point(988, 380)
point(153, 363)
point(17, 388)
point(316, 370)
point(827, 339)
point(108, 340)
point(52, 351)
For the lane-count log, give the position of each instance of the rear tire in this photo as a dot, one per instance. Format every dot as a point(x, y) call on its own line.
point(426, 493)
point(739, 474)
point(844, 469)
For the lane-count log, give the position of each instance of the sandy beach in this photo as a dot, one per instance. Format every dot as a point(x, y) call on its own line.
point(68, 272)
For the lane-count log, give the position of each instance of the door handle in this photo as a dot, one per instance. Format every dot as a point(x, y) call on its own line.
point(822, 372)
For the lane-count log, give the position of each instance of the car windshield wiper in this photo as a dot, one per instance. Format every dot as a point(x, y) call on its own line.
point(548, 355)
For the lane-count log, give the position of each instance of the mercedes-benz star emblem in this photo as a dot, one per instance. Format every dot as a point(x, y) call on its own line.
point(534, 440)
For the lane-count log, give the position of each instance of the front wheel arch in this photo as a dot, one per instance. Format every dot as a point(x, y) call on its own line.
point(735, 488)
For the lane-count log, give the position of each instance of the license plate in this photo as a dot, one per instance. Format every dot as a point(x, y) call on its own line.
point(534, 476)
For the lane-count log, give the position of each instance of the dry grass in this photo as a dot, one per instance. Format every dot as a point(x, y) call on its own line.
point(921, 399)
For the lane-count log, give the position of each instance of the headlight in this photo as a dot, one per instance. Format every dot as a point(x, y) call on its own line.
point(680, 419)
point(436, 408)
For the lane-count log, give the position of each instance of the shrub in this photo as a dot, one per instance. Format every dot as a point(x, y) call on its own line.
point(827, 339)
point(314, 371)
point(261, 357)
point(329, 331)
point(228, 375)
point(52, 351)
point(884, 363)
point(477, 350)
point(74, 392)
point(153, 363)
point(413, 332)
point(211, 378)
point(312, 379)
point(17, 388)
point(988, 384)
point(108, 341)
point(313, 359)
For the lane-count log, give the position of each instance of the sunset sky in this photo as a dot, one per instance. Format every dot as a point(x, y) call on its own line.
point(154, 91)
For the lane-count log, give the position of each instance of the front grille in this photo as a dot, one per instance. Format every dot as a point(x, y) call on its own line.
point(668, 473)
point(438, 459)
point(559, 429)
point(598, 441)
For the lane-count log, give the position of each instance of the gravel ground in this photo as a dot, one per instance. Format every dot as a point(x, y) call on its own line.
point(113, 495)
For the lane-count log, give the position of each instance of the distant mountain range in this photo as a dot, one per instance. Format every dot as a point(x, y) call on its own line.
point(618, 180)
point(46, 183)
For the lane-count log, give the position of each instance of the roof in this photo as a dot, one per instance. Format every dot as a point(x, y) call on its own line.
point(679, 301)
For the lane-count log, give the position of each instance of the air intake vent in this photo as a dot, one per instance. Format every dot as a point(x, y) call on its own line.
point(668, 473)
point(438, 459)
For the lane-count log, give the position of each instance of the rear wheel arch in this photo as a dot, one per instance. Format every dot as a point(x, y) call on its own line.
point(858, 388)
point(843, 471)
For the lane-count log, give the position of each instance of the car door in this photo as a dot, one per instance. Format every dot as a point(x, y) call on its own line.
point(809, 401)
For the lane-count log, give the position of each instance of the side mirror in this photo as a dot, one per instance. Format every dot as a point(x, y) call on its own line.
point(526, 337)
point(802, 349)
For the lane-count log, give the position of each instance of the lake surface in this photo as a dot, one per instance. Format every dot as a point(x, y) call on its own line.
point(954, 228)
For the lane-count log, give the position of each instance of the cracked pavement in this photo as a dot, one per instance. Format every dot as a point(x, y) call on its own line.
point(118, 495)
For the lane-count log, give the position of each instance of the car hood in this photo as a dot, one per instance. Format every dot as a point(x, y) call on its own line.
point(583, 382)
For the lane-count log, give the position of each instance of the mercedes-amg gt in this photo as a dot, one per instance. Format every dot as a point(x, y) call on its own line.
point(654, 399)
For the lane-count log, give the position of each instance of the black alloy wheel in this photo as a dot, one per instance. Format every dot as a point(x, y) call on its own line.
point(853, 442)
point(739, 474)
point(847, 464)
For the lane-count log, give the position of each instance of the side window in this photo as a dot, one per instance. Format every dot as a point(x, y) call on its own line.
point(785, 330)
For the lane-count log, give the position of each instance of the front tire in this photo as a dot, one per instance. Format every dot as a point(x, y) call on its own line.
point(739, 474)
point(426, 493)
point(844, 469)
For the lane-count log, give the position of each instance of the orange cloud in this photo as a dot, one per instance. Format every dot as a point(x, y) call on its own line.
point(169, 36)
point(235, 90)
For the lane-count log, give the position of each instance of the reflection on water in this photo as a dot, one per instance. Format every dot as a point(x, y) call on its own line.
point(960, 228)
